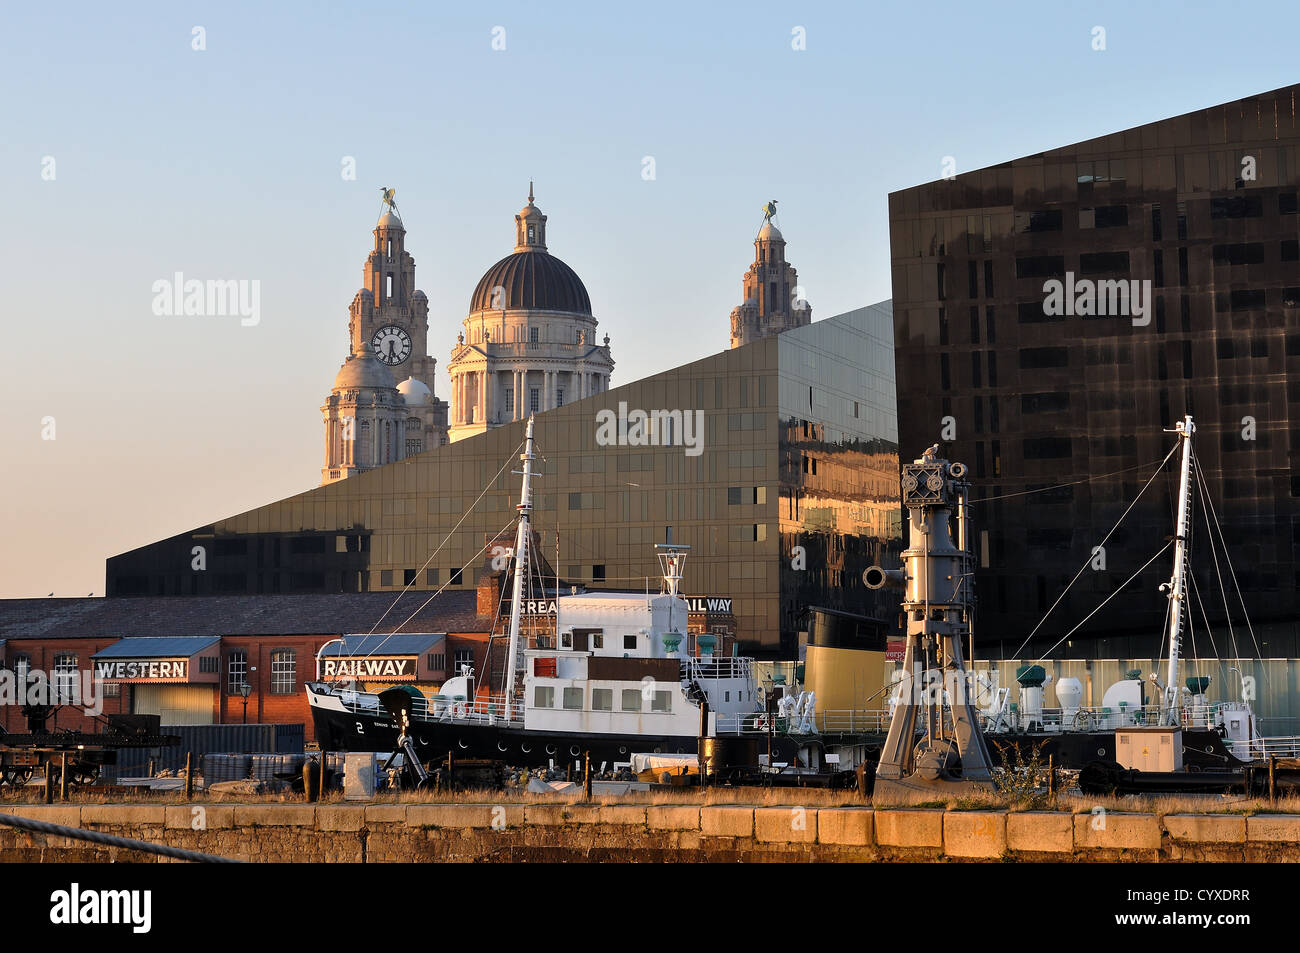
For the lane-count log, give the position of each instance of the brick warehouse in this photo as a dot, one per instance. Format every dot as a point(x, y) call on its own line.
point(270, 642)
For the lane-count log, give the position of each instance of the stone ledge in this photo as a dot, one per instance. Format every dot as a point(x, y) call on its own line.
point(1273, 828)
point(975, 834)
point(1115, 831)
point(124, 814)
point(275, 815)
point(1047, 832)
point(385, 813)
point(903, 828)
point(846, 826)
point(342, 817)
point(727, 821)
point(785, 825)
point(49, 813)
point(673, 818)
point(1206, 828)
point(464, 815)
point(214, 817)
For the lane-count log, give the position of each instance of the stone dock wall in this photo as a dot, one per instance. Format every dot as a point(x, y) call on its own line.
point(378, 833)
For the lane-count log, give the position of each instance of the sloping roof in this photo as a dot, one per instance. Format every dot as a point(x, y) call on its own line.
point(353, 645)
point(158, 647)
point(172, 616)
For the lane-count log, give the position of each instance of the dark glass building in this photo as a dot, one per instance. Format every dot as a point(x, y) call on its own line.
point(1059, 398)
point(785, 495)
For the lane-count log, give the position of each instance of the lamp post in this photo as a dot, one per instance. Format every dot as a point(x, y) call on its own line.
point(245, 689)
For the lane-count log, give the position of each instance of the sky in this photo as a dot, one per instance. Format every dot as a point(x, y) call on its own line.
point(141, 140)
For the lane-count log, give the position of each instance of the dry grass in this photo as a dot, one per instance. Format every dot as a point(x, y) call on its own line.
point(1159, 805)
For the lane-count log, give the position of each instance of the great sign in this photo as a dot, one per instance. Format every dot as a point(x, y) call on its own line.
point(371, 667)
point(128, 669)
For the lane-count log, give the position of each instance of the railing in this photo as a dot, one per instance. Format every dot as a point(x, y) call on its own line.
point(712, 667)
point(1286, 746)
point(478, 712)
point(842, 721)
point(1108, 719)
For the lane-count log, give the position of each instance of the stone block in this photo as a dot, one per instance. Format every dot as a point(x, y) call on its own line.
point(673, 818)
point(1207, 828)
point(1049, 832)
point(903, 828)
point(727, 821)
point(124, 815)
point(975, 834)
point(1273, 828)
point(1115, 831)
point(785, 825)
point(848, 826)
point(275, 815)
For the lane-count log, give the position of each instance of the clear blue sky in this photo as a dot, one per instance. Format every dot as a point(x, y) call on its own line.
point(226, 163)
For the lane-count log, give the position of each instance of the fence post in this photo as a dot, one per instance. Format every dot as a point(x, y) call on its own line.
point(1051, 775)
point(1272, 779)
point(189, 777)
point(63, 778)
point(49, 781)
point(586, 775)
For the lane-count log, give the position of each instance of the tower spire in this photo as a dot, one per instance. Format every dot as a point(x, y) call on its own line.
point(530, 191)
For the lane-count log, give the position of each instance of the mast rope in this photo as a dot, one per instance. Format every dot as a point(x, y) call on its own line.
point(1092, 555)
point(464, 516)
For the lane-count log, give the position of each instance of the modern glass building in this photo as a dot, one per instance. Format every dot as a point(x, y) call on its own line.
point(1059, 397)
point(776, 462)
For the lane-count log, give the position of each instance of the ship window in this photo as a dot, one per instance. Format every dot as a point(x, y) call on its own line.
point(629, 641)
point(544, 697)
point(602, 699)
point(566, 642)
point(598, 640)
point(573, 699)
point(631, 699)
point(663, 701)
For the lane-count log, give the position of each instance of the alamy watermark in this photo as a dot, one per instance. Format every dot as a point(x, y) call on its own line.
point(31, 686)
point(1099, 298)
point(230, 297)
point(651, 428)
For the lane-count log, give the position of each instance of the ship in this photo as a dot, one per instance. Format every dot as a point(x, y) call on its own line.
point(611, 674)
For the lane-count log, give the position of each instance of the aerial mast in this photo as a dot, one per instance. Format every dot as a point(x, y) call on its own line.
point(525, 508)
point(1176, 585)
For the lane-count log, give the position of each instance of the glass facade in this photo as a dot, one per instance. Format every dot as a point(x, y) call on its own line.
point(1019, 348)
point(718, 461)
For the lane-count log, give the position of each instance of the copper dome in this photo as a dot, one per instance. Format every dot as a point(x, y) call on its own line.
point(531, 280)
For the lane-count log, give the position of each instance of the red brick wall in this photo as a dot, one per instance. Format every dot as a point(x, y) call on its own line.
point(265, 706)
point(42, 657)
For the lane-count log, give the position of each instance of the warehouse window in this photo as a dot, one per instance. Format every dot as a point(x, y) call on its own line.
point(284, 671)
point(462, 658)
point(209, 664)
point(236, 671)
point(65, 676)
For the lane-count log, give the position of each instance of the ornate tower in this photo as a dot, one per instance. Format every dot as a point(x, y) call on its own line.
point(389, 317)
point(529, 342)
point(365, 418)
point(773, 299)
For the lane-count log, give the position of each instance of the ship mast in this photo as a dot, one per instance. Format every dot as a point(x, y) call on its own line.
point(1175, 586)
point(525, 509)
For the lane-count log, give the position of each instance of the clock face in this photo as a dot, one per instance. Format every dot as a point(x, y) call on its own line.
point(392, 345)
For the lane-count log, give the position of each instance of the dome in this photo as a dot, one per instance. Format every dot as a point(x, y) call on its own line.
point(416, 393)
point(420, 295)
point(769, 233)
point(389, 220)
point(533, 280)
point(363, 370)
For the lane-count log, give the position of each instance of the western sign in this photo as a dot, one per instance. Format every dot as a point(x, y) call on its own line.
point(371, 667)
point(120, 670)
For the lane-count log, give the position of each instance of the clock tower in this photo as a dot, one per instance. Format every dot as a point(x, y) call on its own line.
point(389, 317)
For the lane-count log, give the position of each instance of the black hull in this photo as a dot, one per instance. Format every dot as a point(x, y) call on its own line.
point(1203, 749)
point(353, 731)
